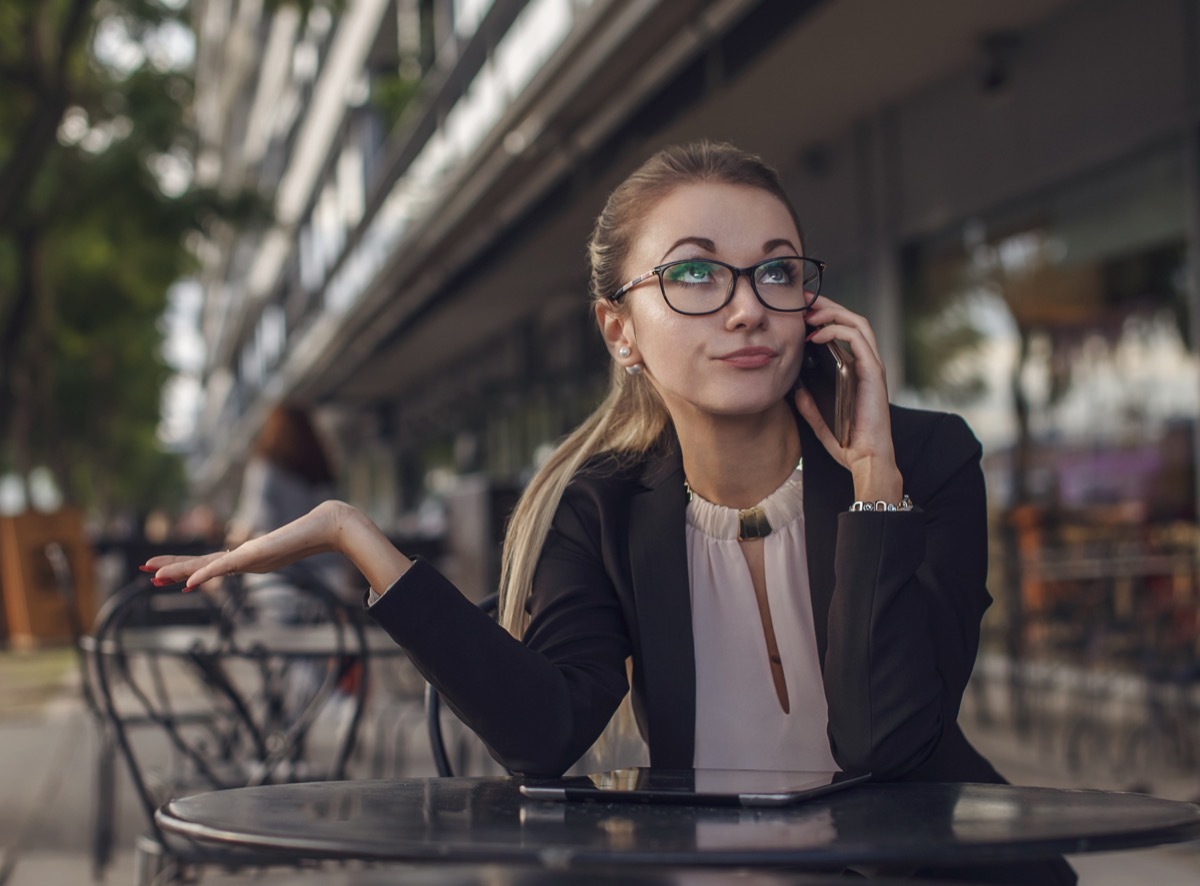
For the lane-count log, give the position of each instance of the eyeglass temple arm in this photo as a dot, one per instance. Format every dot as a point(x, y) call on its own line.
point(632, 283)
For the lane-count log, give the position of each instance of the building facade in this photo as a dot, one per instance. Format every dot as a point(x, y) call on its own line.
point(1010, 191)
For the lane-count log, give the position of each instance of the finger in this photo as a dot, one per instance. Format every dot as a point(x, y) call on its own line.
point(828, 309)
point(863, 350)
point(829, 312)
point(215, 568)
point(156, 563)
point(181, 568)
point(255, 556)
point(850, 328)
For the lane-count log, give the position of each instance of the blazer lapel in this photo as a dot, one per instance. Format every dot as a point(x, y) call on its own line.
point(828, 488)
point(658, 562)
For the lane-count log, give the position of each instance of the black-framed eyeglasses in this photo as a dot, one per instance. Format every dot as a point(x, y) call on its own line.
point(698, 286)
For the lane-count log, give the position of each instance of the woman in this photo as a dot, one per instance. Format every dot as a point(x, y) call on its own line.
point(703, 523)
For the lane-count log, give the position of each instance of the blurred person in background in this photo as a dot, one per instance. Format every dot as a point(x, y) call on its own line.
point(289, 473)
point(786, 600)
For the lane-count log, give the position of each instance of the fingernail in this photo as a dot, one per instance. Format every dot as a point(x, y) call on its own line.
point(161, 582)
point(148, 568)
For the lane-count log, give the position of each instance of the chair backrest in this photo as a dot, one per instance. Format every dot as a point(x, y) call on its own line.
point(433, 717)
point(206, 691)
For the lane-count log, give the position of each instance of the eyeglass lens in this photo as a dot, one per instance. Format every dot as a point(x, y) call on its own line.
point(700, 287)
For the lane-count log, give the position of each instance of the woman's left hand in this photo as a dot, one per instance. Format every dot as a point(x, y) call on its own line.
point(870, 455)
point(317, 532)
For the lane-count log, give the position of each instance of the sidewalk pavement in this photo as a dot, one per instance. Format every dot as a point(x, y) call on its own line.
point(46, 786)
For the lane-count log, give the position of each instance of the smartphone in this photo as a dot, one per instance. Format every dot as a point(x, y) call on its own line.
point(827, 372)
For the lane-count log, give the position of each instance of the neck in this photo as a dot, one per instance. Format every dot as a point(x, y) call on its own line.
point(737, 461)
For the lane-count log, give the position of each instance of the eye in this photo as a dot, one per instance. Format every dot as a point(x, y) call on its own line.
point(686, 273)
point(781, 272)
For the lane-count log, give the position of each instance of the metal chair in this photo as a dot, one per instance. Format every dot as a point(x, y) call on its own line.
point(433, 719)
point(214, 697)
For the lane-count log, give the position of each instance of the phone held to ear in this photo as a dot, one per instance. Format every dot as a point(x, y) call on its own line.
point(828, 374)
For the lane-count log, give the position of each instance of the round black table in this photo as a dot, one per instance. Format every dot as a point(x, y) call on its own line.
point(487, 820)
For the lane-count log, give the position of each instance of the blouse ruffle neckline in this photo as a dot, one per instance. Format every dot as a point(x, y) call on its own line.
point(781, 507)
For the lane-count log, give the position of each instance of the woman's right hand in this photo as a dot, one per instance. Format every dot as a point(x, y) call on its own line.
point(870, 455)
point(330, 526)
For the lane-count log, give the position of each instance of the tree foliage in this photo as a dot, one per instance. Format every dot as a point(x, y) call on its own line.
point(89, 241)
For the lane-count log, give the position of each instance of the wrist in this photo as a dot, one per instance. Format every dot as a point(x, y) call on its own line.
point(349, 523)
point(878, 482)
point(364, 544)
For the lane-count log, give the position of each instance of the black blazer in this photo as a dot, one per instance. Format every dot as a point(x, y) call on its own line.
point(897, 600)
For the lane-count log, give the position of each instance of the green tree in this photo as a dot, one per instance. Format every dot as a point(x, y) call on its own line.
point(92, 230)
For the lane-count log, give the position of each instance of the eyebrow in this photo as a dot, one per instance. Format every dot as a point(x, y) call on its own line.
point(772, 245)
point(703, 242)
point(708, 245)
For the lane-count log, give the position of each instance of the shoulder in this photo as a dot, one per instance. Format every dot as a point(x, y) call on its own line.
point(595, 505)
point(915, 429)
point(606, 479)
point(610, 467)
point(932, 447)
point(603, 487)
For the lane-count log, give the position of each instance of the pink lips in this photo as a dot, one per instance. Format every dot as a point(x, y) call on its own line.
point(749, 358)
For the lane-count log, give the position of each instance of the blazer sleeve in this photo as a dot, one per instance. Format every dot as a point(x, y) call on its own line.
point(910, 592)
point(538, 704)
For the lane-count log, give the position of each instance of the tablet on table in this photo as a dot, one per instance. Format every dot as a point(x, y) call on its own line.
point(725, 787)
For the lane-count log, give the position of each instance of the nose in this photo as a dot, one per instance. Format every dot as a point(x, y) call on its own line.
point(744, 309)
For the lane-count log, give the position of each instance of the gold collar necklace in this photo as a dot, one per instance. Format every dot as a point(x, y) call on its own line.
point(752, 522)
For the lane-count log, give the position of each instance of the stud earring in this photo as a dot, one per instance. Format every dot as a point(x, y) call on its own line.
point(623, 352)
point(635, 369)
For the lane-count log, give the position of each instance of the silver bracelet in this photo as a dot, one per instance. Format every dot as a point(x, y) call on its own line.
point(905, 504)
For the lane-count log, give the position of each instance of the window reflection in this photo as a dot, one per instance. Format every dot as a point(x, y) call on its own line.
point(1059, 328)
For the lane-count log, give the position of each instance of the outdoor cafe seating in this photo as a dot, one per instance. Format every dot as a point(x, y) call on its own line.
point(456, 828)
point(198, 692)
point(238, 736)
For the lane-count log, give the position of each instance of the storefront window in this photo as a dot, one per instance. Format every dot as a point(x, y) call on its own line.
point(1059, 328)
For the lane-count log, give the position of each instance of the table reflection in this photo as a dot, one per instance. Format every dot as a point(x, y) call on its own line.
point(487, 819)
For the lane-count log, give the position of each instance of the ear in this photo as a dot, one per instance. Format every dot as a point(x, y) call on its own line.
point(616, 327)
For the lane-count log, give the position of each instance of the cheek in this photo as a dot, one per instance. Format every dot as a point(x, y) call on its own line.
point(667, 346)
point(654, 329)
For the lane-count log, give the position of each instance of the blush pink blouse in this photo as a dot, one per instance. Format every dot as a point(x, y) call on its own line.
point(740, 723)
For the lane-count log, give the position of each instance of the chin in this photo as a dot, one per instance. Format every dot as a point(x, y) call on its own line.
point(726, 398)
point(743, 403)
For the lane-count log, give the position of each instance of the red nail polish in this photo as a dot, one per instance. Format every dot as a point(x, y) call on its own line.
point(161, 582)
point(148, 568)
